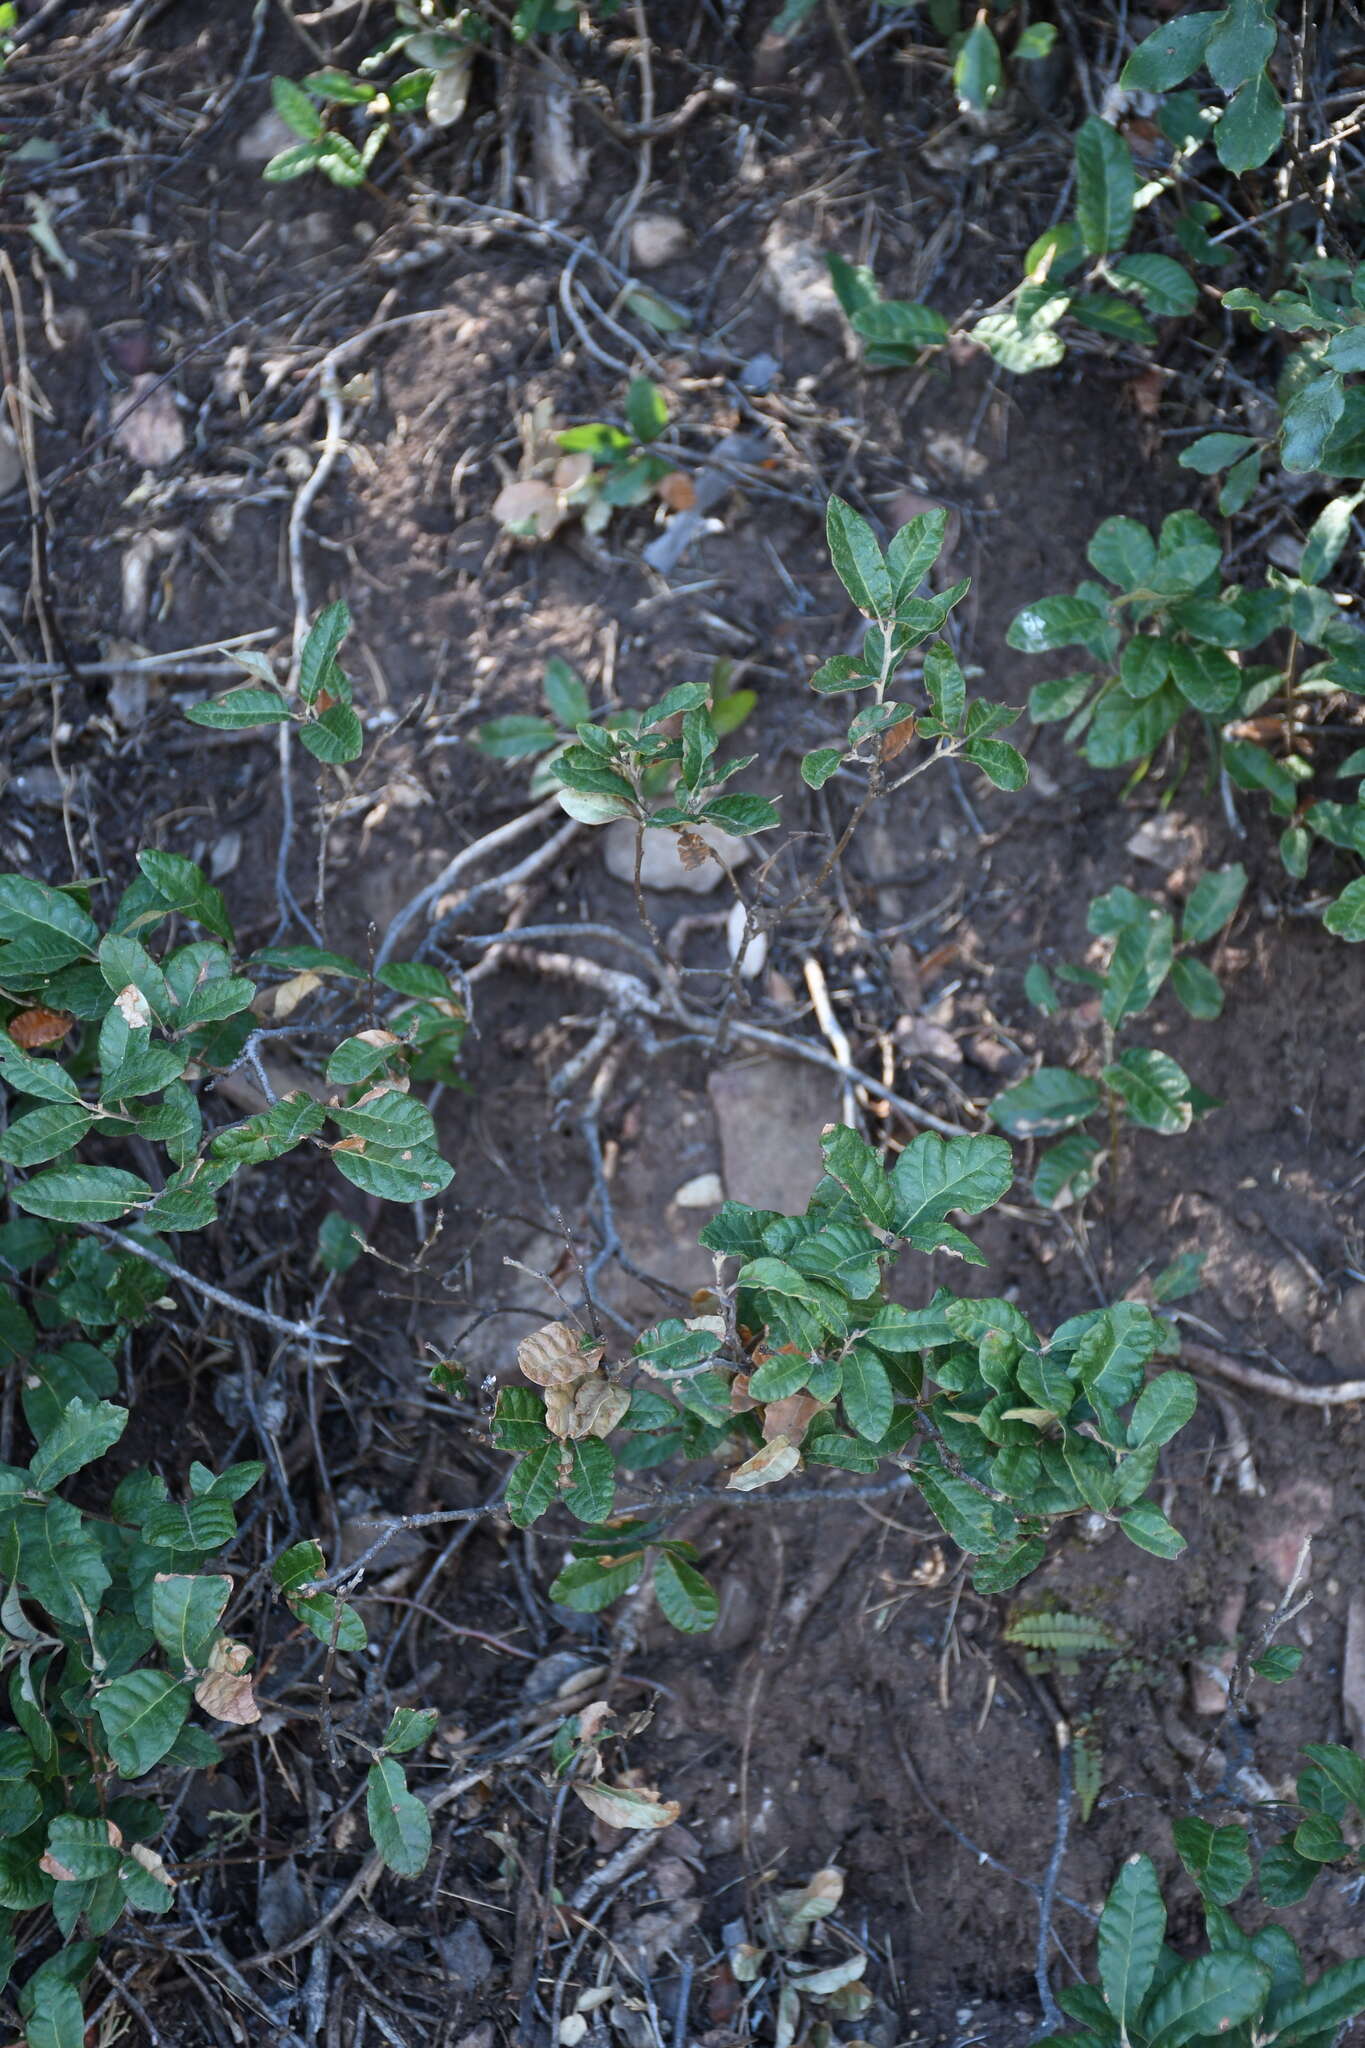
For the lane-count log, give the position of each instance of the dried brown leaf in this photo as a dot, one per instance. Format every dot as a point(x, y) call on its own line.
point(555, 1356)
point(621, 1806)
point(766, 1467)
point(225, 1689)
point(37, 1027)
point(529, 509)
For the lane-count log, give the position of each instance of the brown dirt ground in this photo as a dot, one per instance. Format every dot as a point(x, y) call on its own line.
point(847, 1643)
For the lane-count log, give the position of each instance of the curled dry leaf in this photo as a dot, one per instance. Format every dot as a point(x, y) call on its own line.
point(147, 426)
point(766, 1467)
point(449, 94)
point(555, 1356)
point(131, 1005)
point(291, 993)
point(898, 737)
point(621, 1806)
point(793, 1913)
point(593, 1718)
point(571, 471)
point(693, 850)
point(152, 1864)
point(592, 1407)
point(529, 509)
point(32, 1028)
point(225, 1689)
point(790, 1417)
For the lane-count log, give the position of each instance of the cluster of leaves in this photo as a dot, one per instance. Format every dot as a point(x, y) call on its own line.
point(1234, 45)
point(1322, 426)
point(889, 590)
point(817, 1990)
point(1172, 637)
point(591, 471)
point(143, 1030)
point(437, 43)
point(527, 736)
point(805, 1361)
point(112, 1629)
point(1141, 1084)
point(1080, 268)
point(1242, 1988)
point(621, 765)
point(113, 1619)
point(328, 724)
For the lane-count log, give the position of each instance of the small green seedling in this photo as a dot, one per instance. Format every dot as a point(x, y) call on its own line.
point(1139, 1084)
point(592, 471)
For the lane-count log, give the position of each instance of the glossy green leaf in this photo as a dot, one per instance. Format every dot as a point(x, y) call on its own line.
point(1212, 903)
point(399, 1823)
point(1054, 1099)
point(186, 1612)
point(1147, 1527)
point(1154, 1090)
point(141, 1715)
point(44, 1133)
point(84, 1432)
point(858, 560)
point(934, 1176)
point(1105, 186)
point(1170, 54)
point(1217, 1858)
point(685, 1599)
point(182, 886)
point(1163, 1407)
point(1205, 1999)
point(81, 1194)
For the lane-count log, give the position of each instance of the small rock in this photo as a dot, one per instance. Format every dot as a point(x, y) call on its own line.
point(227, 851)
point(662, 865)
point(1353, 1670)
point(671, 1877)
point(553, 1675)
point(1292, 1293)
point(265, 138)
point(1211, 1676)
point(755, 952)
point(989, 1053)
point(1342, 1335)
point(466, 1955)
point(920, 1037)
point(771, 58)
point(760, 373)
point(770, 1113)
point(656, 239)
point(1297, 1512)
point(11, 468)
point(798, 277)
point(477, 2037)
point(40, 785)
point(147, 426)
point(705, 1192)
point(310, 231)
point(1166, 841)
point(283, 1910)
point(358, 1532)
